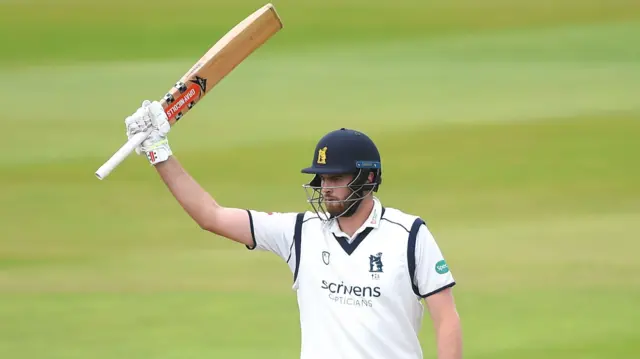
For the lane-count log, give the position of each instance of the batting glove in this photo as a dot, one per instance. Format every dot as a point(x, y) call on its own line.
point(151, 116)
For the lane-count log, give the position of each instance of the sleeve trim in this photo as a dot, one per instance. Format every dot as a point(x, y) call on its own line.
point(438, 290)
point(297, 241)
point(411, 253)
point(253, 233)
point(291, 250)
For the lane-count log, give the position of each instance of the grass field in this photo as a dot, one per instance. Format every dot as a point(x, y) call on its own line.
point(511, 127)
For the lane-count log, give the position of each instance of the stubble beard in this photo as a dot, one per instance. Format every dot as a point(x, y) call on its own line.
point(334, 208)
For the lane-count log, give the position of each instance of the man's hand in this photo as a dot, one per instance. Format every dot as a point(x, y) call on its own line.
point(151, 116)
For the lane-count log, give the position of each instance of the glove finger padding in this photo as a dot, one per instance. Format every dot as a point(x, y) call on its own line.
point(138, 122)
point(150, 115)
point(159, 118)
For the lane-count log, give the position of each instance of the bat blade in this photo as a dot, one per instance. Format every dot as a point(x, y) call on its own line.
point(224, 56)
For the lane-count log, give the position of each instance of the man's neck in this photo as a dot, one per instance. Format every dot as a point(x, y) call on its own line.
point(350, 225)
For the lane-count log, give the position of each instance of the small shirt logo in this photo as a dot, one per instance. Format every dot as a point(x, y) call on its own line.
point(442, 267)
point(322, 156)
point(374, 217)
point(325, 257)
point(375, 263)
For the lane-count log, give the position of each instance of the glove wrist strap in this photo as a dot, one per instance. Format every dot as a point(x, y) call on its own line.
point(158, 152)
point(158, 155)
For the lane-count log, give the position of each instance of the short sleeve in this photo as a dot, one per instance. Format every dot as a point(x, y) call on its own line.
point(432, 273)
point(272, 232)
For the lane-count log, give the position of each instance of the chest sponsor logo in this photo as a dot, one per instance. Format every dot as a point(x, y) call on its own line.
point(352, 295)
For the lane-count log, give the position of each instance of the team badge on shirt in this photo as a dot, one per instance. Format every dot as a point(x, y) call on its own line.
point(375, 265)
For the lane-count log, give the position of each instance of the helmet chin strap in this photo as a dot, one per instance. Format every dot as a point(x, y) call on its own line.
point(352, 209)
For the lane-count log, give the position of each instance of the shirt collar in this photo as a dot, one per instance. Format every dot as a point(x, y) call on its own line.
point(373, 221)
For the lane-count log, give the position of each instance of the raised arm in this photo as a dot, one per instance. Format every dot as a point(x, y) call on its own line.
point(232, 223)
point(254, 229)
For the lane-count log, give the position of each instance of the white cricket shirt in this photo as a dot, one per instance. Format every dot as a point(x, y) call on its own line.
point(359, 297)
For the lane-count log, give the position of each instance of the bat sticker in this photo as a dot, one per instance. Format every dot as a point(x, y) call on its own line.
point(169, 98)
point(178, 105)
point(180, 86)
point(202, 82)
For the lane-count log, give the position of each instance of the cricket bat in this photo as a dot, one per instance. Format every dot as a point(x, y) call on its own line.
point(225, 55)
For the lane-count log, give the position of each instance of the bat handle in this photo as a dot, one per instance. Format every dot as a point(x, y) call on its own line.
point(121, 154)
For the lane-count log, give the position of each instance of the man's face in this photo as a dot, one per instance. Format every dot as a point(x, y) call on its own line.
point(330, 195)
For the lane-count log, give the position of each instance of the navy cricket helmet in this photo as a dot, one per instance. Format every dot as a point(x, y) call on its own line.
point(341, 152)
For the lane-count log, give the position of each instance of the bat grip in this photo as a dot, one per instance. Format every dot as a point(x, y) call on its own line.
point(121, 154)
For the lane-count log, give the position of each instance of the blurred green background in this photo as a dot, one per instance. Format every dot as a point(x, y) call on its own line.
point(510, 126)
